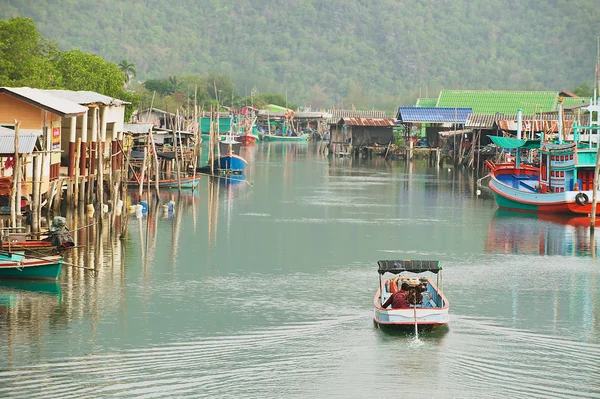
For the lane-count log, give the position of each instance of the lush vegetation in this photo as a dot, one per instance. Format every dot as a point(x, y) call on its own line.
point(28, 59)
point(336, 52)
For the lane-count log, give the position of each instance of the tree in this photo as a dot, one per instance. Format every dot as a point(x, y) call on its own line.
point(164, 87)
point(584, 90)
point(26, 59)
point(128, 69)
point(83, 71)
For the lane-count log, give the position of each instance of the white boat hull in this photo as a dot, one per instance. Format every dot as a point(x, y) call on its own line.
point(425, 316)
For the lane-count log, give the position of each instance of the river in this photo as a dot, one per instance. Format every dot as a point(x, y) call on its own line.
point(263, 288)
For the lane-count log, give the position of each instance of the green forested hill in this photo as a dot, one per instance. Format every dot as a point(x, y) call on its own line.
point(323, 52)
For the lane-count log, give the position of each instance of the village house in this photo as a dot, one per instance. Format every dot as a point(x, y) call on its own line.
point(59, 119)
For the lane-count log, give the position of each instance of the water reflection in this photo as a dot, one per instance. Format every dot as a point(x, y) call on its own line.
point(29, 312)
point(532, 234)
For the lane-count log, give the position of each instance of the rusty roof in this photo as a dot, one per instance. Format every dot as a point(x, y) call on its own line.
point(386, 122)
point(481, 121)
point(549, 126)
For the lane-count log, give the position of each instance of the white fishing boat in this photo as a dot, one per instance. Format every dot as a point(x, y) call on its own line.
point(425, 303)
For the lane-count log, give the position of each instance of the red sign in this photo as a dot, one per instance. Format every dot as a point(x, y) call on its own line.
point(56, 138)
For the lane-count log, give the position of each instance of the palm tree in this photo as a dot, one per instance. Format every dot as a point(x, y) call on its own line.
point(128, 69)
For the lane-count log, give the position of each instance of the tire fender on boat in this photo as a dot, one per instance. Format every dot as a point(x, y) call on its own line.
point(581, 199)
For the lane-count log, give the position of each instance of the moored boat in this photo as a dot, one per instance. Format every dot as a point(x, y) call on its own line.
point(275, 137)
point(15, 265)
point(426, 303)
point(230, 162)
point(562, 181)
point(186, 182)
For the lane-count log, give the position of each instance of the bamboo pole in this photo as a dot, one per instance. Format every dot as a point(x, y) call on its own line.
point(156, 166)
point(125, 213)
point(141, 189)
point(35, 193)
point(176, 147)
point(77, 171)
point(15, 186)
point(100, 152)
point(211, 148)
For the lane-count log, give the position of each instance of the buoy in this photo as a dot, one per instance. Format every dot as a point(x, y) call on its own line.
point(478, 192)
point(132, 208)
point(90, 210)
point(139, 209)
point(449, 169)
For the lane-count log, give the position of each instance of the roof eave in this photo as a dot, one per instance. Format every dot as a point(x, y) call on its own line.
point(39, 105)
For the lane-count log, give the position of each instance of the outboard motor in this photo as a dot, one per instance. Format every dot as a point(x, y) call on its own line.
point(59, 234)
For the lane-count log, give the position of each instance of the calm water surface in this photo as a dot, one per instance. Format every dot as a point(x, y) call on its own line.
point(264, 288)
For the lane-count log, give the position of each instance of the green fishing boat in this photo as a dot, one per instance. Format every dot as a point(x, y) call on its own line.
point(16, 265)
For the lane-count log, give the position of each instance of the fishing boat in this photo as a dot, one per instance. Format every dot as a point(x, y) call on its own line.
point(246, 130)
point(57, 240)
point(275, 137)
point(230, 162)
point(186, 182)
point(562, 180)
point(429, 307)
point(17, 265)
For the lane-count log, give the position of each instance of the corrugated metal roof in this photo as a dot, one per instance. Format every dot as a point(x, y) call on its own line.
point(297, 115)
point(496, 101)
point(7, 142)
point(43, 99)
point(86, 97)
point(368, 122)
point(533, 125)
point(426, 102)
point(337, 114)
point(432, 115)
point(481, 121)
point(137, 128)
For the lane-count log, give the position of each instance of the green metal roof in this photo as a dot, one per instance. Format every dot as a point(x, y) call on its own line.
point(574, 101)
point(426, 102)
point(495, 101)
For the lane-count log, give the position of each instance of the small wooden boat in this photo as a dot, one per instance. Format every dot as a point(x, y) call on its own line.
point(274, 137)
point(186, 182)
point(431, 305)
point(57, 240)
point(16, 265)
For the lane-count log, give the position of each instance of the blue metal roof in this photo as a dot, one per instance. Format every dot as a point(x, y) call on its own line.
point(433, 114)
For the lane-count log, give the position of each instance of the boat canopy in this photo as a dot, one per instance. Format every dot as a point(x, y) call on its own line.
point(511, 143)
point(413, 266)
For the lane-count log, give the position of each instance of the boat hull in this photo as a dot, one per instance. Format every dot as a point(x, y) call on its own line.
point(272, 137)
point(425, 316)
point(247, 138)
point(515, 198)
point(186, 182)
point(47, 268)
point(231, 163)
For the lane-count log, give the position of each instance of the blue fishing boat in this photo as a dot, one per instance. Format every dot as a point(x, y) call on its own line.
point(230, 162)
point(16, 265)
point(425, 303)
